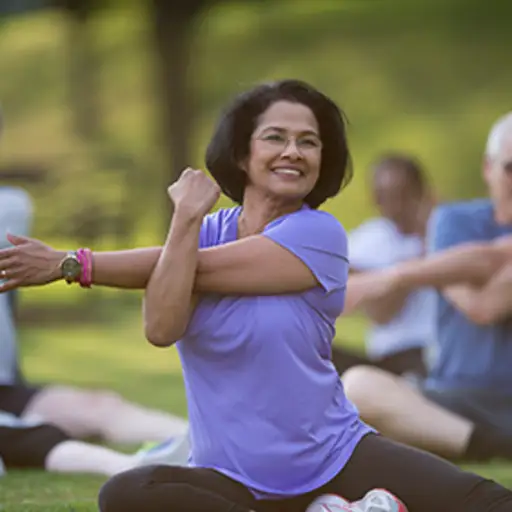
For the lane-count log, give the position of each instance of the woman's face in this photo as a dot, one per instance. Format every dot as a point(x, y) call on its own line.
point(285, 152)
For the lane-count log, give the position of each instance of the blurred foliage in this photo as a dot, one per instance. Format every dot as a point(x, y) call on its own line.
point(424, 77)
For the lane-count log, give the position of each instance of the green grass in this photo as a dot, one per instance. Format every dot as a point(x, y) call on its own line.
point(114, 354)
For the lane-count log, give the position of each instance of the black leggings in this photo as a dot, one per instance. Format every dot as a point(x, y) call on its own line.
point(424, 482)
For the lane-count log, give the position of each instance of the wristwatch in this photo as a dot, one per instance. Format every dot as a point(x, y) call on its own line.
point(70, 267)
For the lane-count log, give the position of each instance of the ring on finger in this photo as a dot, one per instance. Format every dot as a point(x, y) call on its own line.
point(3, 274)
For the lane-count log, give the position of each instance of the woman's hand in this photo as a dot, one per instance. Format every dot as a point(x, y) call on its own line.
point(194, 194)
point(29, 262)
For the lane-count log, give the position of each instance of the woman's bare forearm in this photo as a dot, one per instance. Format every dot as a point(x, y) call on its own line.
point(168, 300)
point(125, 269)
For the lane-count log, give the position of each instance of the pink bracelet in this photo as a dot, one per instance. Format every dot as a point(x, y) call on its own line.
point(85, 258)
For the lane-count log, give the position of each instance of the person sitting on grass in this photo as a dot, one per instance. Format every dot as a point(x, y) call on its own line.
point(402, 325)
point(250, 296)
point(37, 445)
point(81, 413)
point(464, 408)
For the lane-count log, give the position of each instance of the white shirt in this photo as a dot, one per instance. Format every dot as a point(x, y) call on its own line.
point(379, 244)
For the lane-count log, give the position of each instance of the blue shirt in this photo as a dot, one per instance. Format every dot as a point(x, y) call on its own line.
point(469, 356)
point(266, 405)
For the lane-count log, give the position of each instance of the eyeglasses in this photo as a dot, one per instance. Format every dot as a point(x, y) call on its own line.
point(282, 141)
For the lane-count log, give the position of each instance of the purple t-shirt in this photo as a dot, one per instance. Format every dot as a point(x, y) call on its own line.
point(266, 405)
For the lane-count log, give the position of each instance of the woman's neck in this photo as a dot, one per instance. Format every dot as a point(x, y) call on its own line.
point(258, 212)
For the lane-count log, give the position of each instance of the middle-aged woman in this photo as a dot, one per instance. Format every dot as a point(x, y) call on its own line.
point(250, 296)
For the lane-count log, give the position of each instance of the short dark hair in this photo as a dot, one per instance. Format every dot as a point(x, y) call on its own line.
point(410, 166)
point(230, 143)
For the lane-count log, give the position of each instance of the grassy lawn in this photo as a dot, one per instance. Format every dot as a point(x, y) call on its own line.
point(113, 354)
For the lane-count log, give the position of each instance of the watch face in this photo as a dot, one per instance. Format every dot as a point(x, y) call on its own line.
point(70, 267)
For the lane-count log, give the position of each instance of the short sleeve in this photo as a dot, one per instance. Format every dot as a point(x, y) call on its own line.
point(205, 234)
point(448, 227)
point(319, 241)
point(218, 227)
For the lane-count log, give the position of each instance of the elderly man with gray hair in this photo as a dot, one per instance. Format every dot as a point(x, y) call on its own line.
point(464, 408)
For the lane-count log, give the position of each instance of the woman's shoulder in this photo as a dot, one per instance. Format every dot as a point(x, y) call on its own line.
point(319, 221)
point(310, 229)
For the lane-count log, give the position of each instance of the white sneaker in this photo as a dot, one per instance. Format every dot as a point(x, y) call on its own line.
point(377, 500)
point(329, 503)
point(173, 452)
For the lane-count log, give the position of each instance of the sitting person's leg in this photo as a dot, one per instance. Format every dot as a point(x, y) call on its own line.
point(482, 407)
point(41, 446)
point(104, 414)
point(82, 413)
point(72, 456)
point(401, 412)
point(423, 482)
point(15, 397)
point(168, 489)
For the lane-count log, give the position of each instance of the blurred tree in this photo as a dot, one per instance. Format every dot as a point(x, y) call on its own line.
point(173, 24)
point(173, 29)
point(81, 62)
point(82, 67)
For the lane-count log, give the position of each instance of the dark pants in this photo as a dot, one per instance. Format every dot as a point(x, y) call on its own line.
point(28, 446)
point(406, 361)
point(424, 482)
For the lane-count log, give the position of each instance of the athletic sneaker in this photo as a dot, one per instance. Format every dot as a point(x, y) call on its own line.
point(172, 452)
point(377, 500)
point(329, 503)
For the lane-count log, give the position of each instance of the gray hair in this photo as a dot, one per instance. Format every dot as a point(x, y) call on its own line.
point(501, 129)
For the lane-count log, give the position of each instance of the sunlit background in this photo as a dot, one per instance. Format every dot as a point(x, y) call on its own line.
point(103, 107)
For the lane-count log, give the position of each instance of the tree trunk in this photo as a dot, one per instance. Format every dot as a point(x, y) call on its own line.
point(82, 65)
point(172, 30)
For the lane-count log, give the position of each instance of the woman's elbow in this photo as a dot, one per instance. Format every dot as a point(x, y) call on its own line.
point(162, 337)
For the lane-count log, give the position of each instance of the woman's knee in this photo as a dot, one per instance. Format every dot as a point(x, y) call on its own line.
point(124, 492)
point(113, 493)
point(157, 488)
